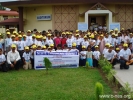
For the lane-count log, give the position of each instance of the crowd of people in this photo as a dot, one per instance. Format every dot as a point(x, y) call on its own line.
point(17, 48)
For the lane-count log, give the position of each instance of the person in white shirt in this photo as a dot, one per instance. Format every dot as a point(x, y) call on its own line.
point(113, 40)
point(44, 42)
point(49, 40)
point(34, 39)
point(38, 42)
point(13, 41)
point(8, 40)
point(65, 48)
point(96, 56)
point(106, 48)
point(13, 58)
point(110, 55)
point(3, 61)
point(26, 59)
point(85, 42)
point(118, 54)
point(125, 56)
point(77, 40)
point(73, 48)
point(69, 40)
point(107, 39)
point(82, 60)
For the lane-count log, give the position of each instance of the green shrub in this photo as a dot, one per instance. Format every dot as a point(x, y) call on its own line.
point(87, 65)
point(98, 90)
point(47, 64)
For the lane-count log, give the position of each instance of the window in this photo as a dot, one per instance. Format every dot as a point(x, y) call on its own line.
point(5, 17)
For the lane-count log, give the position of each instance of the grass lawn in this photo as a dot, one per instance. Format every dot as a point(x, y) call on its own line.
point(60, 84)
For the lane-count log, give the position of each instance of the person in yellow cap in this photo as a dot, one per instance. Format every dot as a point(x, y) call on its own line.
point(13, 40)
point(7, 42)
point(85, 42)
point(69, 40)
point(33, 49)
point(113, 40)
point(13, 58)
point(82, 60)
point(2, 61)
point(117, 54)
point(33, 38)
point(65, 48)
point(63, 39)
point(125, 56)
point(44, 48)
point(26, 59)
point(52, 47)
point(106, 48)
point(96, 56)
point(110, 55)
point(29, 38)
point(20, 46)
point(78, 41)
point(57, 39)
point(73, 47)
point(49, 40)
point(44, 41)
point(38, 40)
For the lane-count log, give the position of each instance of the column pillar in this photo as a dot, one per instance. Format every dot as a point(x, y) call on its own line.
point(21, 24)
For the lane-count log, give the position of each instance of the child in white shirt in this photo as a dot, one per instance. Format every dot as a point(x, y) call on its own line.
point(26, 59)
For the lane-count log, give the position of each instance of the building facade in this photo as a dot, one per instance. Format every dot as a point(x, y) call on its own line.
point(65, 15)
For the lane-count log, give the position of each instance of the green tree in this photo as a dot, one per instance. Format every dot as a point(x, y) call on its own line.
point(47, 64)
point(2, 8)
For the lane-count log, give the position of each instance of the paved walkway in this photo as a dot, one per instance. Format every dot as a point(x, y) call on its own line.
point(124, 76)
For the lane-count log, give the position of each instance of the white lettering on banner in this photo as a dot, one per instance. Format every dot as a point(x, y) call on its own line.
point(58, 59)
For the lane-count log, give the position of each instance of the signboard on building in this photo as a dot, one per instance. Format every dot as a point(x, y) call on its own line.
point(44, 17)
point(58, 59)
point(82, 26)
point(112, 26)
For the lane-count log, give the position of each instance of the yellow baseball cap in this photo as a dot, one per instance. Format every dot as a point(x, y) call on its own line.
point(107, 44)
point(83, 47)
point(14, 32)
point(116, 29)
point(24, 35)
point(111, 30)
point(88, 33)
point(122, 29)
point(117, 48)
point(13, 36)
point(44, 47)
point(49, 34)
point(27, 48)
point(85, 37)
point(29, 31)
point(20, 36)
point(77, 34)
point(0, 34)
point(13, 46)
point(63, 33)
point(96, 46)
point(113, 34)
point(44, 38)
point(74, 44)
point(38, 36)
point(67, 32)
point(101, 35)
point(95, 32)
point(125, 45)
point(77, 30)
point(33, 35)
point(34, 46)
point(92, 36)
point(70, 32)
point(110, 46)
point(8, 33)
point(51, 45)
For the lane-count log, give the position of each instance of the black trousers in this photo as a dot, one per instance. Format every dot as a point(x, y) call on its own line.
point(123, 64)
point(82, 62)
point(95, 63)
point(3, 67)
point(32, 63)
point(16, 66)
point(21, 55)
point(114, 62)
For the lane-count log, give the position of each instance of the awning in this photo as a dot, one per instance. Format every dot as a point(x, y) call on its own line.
point(8, 13)
point(11, 21)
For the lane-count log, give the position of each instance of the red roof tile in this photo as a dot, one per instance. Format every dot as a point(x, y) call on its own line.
point(8, 13)
point(11, 21)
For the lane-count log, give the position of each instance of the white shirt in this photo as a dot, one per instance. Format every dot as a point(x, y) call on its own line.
point(20, 45)
point(69, 42)
point(27, 56)
point(84, 53)
point(125, 53)
point(2, 58)
point(38, 43)
point(85, 43)
point(125, 39)
point(109, 55)
point(65, 50)
point(113, 41)
point(77, 41)
point(96, 54)
point(7, 42)
point(105, 50)
point(44, 43)
point(13, 42)
point(12, 56)
point(50, 41)
point(107, 40)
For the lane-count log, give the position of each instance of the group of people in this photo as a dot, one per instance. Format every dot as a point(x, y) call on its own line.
point(17, 48)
